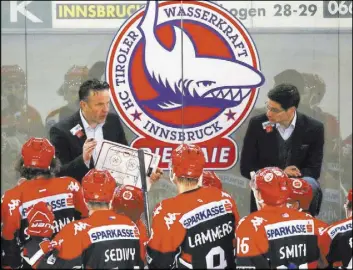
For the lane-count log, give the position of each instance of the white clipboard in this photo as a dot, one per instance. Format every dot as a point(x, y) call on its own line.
point(123, 164)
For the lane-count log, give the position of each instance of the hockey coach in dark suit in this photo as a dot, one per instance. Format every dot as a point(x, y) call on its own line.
point(77, 138)
point(285, 138)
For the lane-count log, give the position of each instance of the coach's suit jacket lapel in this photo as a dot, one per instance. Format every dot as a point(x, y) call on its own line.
point(297, 138)
point(109, 130)
point(77, 120)
point(82, 139)
point(271, 144)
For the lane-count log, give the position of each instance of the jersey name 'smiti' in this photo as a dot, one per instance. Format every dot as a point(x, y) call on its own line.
point(276, 237)
point(336, 243)
point(63, 194)
point(105, 240)
point(195, 229)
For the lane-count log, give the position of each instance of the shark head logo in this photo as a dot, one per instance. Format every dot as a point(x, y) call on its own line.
point(203, 82)
point(183, 73)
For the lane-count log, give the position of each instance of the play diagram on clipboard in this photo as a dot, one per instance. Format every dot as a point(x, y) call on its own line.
point(123, 163)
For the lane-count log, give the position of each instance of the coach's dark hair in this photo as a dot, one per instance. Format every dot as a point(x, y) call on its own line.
point(31, 173)
point(285, 94)
point(91, 85)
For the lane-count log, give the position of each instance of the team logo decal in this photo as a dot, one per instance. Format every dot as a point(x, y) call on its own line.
point(127, 195)
point(184, 73)
point(268, 177)
point(297, 183)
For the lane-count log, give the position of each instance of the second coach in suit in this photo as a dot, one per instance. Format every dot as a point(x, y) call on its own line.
point(77, 138)
point(285, 138)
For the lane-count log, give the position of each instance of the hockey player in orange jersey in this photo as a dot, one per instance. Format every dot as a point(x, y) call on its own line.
point(194, 229)
point(300, 197)
point(336, 241)
point(301, 194)
point(128, 200)
point(276, 236)
point(37, 167)
point(104, 240)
